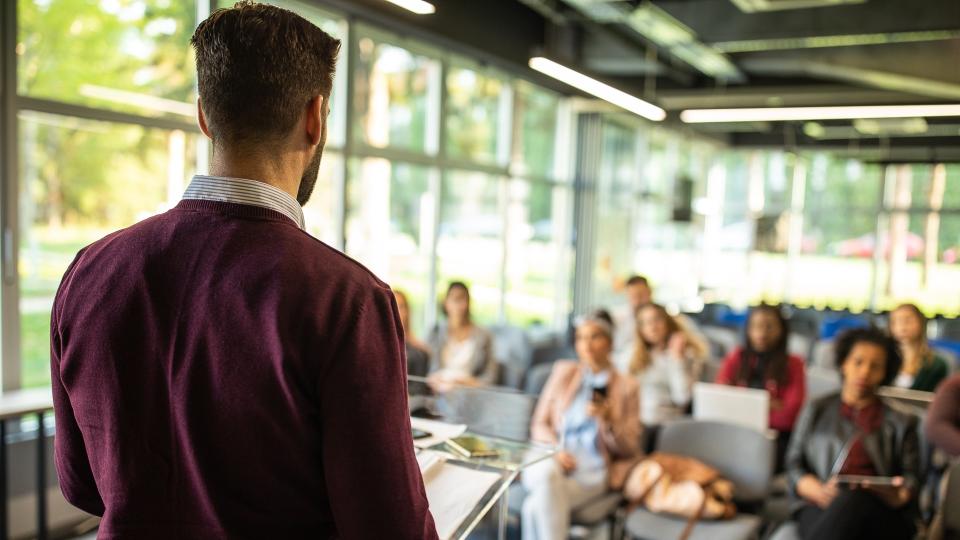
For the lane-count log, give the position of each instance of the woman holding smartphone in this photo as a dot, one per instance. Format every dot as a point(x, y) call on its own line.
point(853, 459)
point(591, 413)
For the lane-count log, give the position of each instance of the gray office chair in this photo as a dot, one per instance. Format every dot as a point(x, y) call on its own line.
point(603, 509)
point(821, 382)
point(513, 351)
point(722, 339)
point(537, 378)
point(497, 412)
point(709, 371)
point(799, 345)
point(742, 455)
point(823, 355)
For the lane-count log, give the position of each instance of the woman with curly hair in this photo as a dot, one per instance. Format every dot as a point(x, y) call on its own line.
point(856, 433)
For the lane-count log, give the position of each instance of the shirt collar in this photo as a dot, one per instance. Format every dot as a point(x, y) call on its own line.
point(244, 191)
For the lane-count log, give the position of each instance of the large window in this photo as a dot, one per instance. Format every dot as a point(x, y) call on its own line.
point(617, 193)
point(538, 252)
point(131, 56)
point(470, 245)
point(477, 110)
point(80, 180)
point(449, 172)
point(390, 226)
point(393, 89)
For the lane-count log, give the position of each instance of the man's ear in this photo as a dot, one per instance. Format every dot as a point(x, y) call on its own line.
point(315, 120)
point(202, 120)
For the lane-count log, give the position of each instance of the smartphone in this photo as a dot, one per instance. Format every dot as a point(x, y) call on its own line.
point(599, 394)
point(420, 434)
point(471, 447)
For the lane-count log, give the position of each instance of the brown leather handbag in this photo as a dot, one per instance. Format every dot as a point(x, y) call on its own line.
point(682, 487)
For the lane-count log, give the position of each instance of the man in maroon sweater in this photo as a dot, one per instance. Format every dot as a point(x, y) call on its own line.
point(217, 372)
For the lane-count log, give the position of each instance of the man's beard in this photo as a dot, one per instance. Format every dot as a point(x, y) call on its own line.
point(309, 178)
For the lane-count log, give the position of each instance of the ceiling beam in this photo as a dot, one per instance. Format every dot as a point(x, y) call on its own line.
point(784, 96)
point(875, 16)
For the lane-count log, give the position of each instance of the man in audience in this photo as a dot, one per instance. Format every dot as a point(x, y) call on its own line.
point(638, 294)
point(217, 372)
point(943, 417)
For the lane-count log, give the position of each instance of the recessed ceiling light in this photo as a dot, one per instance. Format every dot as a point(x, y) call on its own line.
point(783, 114)
point(597, 89)
point(417, 6)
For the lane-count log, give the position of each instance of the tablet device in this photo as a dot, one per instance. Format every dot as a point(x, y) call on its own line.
point(860, 479)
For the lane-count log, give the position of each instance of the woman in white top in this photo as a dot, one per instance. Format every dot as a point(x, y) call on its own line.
point(462, 351)
point(666, 360)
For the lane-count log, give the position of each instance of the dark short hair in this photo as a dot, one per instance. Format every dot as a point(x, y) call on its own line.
point(257, 68)
point(637, 280)
point(875, 336)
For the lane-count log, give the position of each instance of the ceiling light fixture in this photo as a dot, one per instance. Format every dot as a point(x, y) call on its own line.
point(597, 88)
point(784, 114)
point(417, 6)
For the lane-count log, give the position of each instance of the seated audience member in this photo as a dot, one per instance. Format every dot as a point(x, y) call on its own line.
point(666, 361)
point(638, 294)
point(418, 355)
point(856, 433)
point(943, 417)
point(590, 411)
point(922, 369)
point(462, 352)
point(764, 363)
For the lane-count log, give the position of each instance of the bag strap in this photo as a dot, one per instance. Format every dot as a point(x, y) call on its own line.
point(692, 522)
point(640, 500)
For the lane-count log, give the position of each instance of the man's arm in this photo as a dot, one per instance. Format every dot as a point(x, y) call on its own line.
point(373, 479)
point(73, 465)
point(943, 417)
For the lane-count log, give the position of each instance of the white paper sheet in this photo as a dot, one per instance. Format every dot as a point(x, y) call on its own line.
point(440, 431)
point(453, 492)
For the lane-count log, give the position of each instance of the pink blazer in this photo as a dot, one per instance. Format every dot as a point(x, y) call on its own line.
point(619, 437)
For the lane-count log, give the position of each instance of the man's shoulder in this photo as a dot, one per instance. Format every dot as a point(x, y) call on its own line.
point(304, 259)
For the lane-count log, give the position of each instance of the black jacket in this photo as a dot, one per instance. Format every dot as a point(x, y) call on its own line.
point(821, 432)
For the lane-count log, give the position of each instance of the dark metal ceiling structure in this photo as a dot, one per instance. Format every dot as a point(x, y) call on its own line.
point(683, 54)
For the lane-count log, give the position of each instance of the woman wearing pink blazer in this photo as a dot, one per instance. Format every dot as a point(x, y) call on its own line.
point(591, 413)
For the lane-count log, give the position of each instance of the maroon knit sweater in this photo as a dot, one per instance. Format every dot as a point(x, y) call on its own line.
point(218, 373)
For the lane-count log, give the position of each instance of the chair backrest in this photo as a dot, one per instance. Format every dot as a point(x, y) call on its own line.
point(722, 339)
point(741, 455)
point(513, 351)
point(499, 413)
point(821, 381)
point(950, 355)
point(537, 378)
point(823, 354)
point(799, 345)
point(709, 371)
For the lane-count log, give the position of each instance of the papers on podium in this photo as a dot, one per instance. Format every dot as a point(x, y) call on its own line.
point(453, 491)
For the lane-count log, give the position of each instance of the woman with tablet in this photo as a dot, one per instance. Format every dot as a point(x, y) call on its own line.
point(853, 459)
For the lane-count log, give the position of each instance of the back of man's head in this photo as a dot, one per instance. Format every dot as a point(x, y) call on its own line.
point(258, 66)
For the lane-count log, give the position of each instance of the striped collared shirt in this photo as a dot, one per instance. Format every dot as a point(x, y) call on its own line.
point(243, 191)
